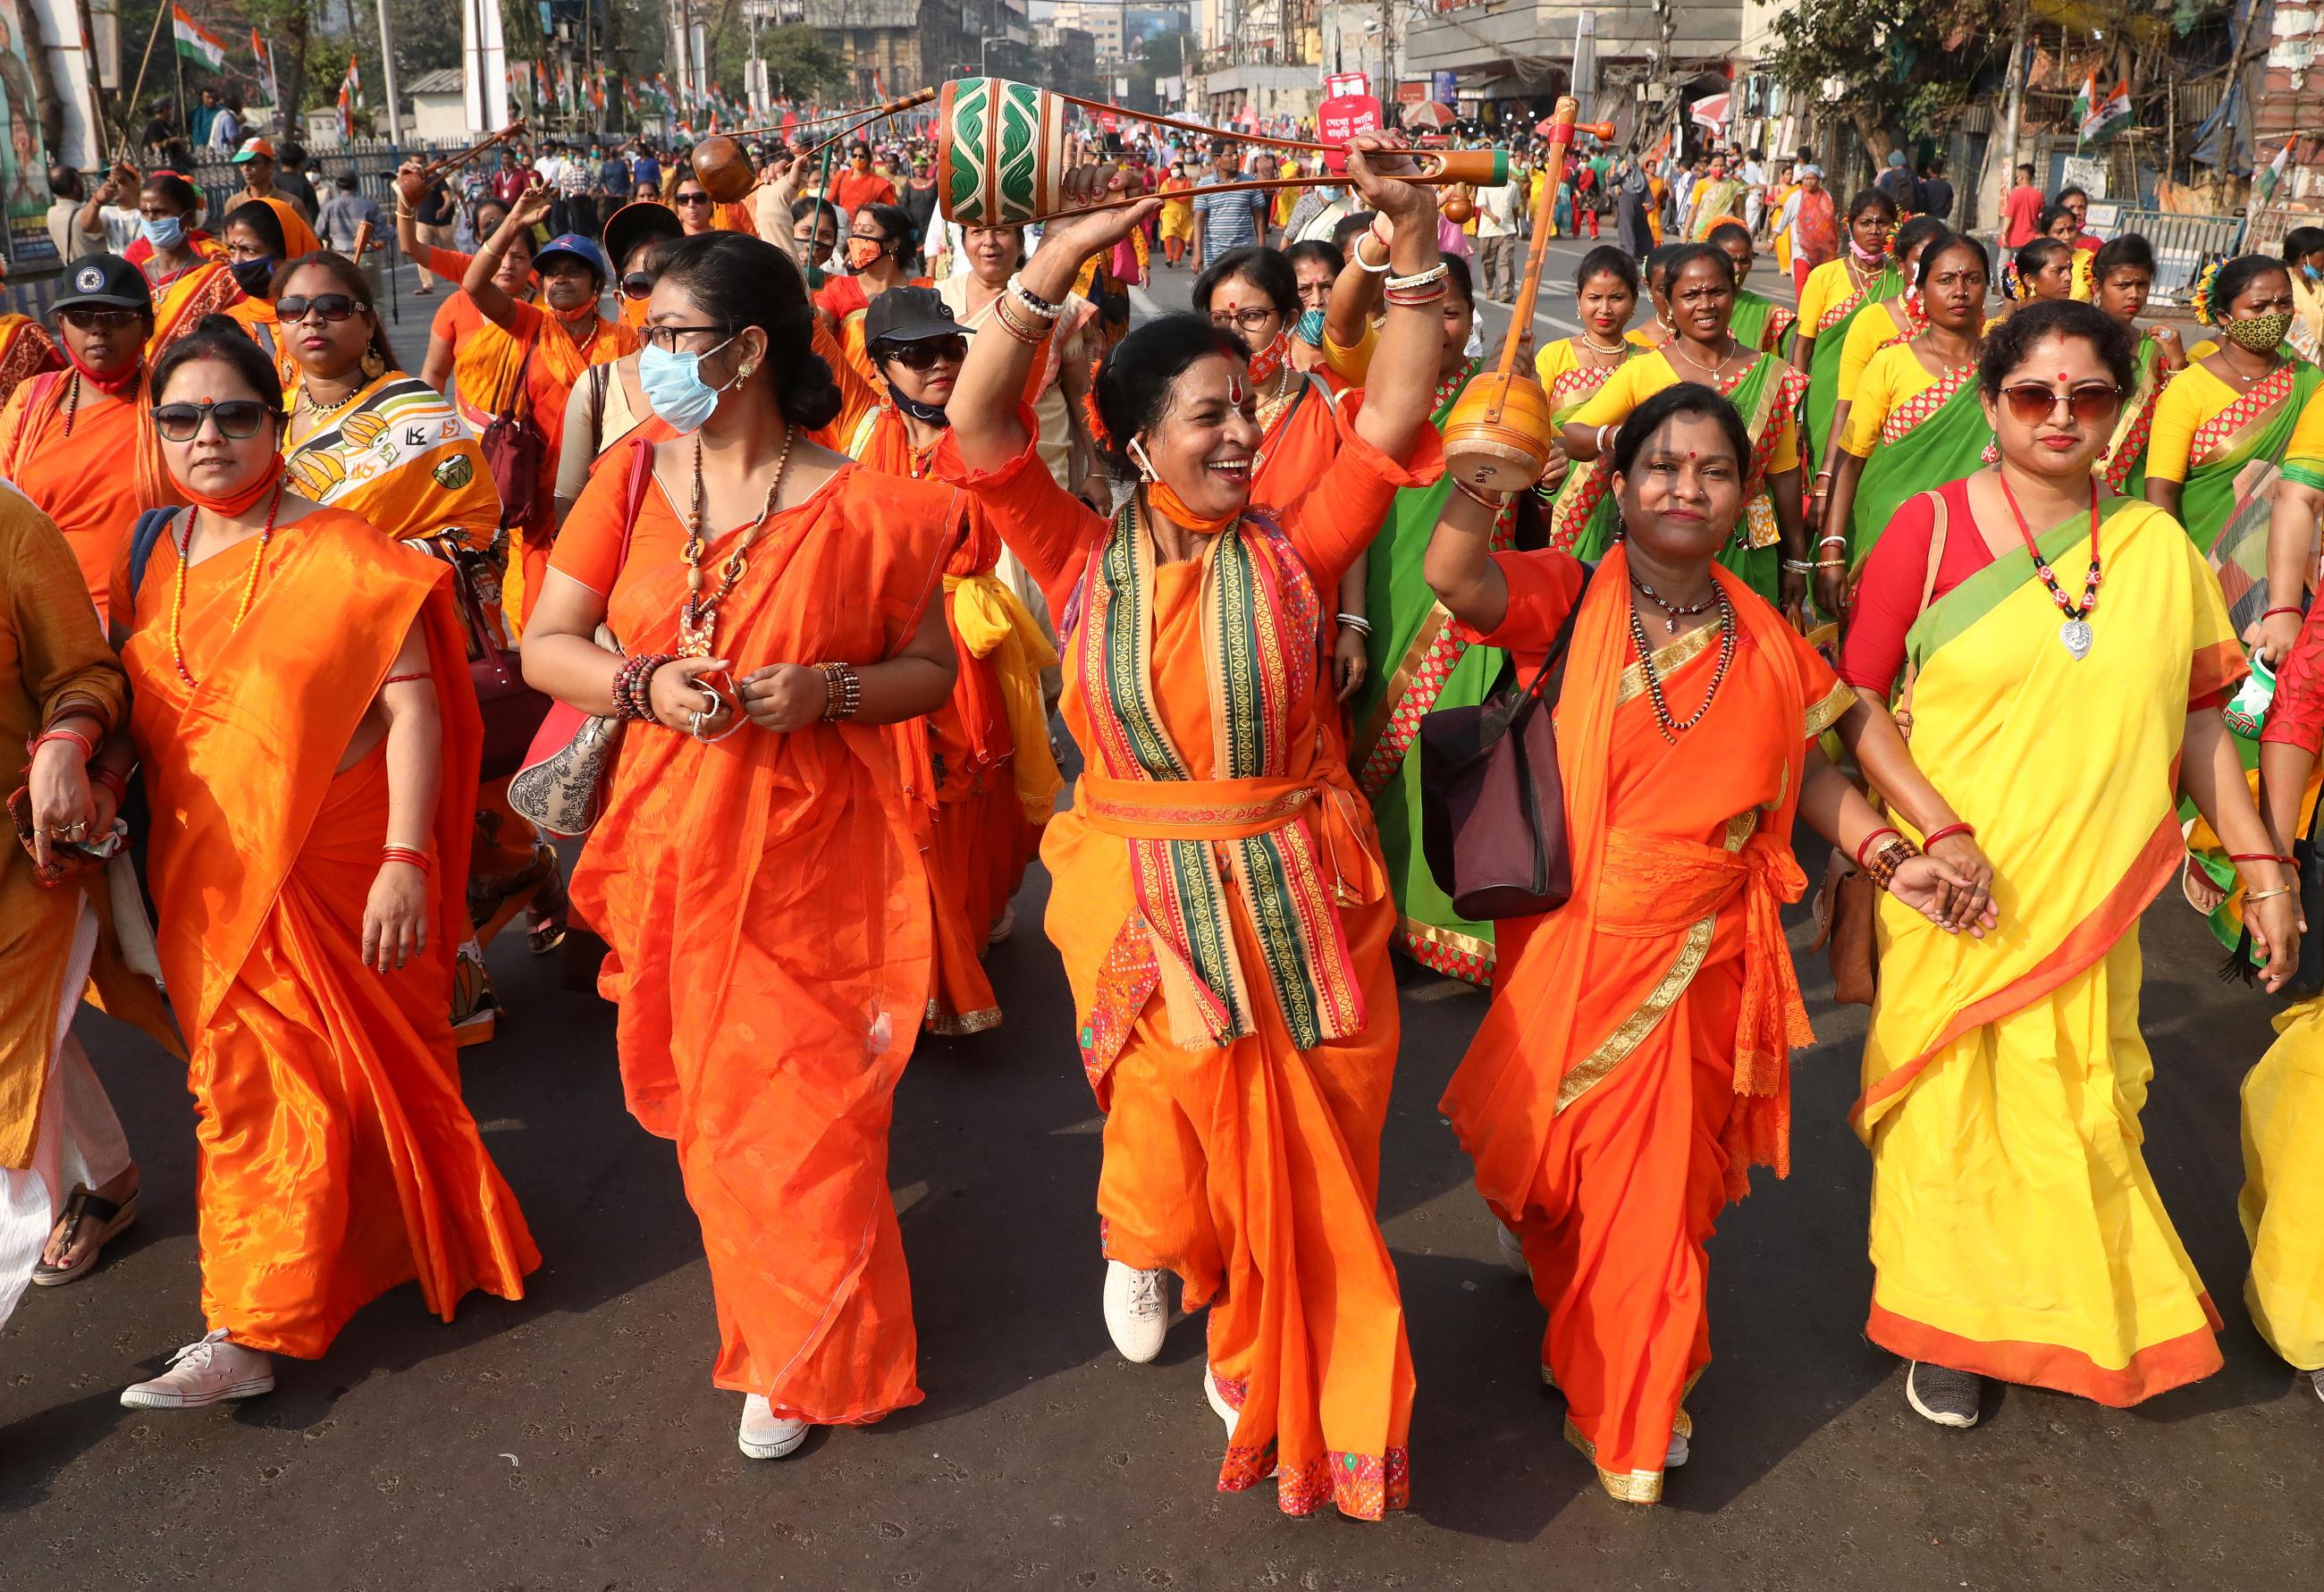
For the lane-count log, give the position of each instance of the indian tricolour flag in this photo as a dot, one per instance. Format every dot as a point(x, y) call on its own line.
point(195, 42)
point(2096, 115)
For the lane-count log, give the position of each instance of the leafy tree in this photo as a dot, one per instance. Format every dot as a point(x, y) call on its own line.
point(1896, 64)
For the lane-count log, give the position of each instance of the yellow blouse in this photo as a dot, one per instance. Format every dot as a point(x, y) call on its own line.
point(1879, 324)
point(1827, 285)
point(1351, 365)
point(1643, 376)
point(2193, 397)
point(1891, 377)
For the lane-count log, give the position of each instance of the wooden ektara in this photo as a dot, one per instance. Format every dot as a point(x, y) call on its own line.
point(413, 185)
point(1001, 154)
point(723, 168)
point(1498, 436)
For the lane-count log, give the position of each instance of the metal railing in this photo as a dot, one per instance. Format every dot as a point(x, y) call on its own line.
point(2182, 244)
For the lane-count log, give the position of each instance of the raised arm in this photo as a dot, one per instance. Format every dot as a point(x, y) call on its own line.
point(1400, 389)
point(490, 298)
point(1459, 565)
point(1355, 290)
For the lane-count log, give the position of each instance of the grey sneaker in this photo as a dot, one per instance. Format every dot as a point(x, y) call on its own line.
point(1512, 1251)
point(2316, 1381)
point(207, 1371)
point(1946, 1396)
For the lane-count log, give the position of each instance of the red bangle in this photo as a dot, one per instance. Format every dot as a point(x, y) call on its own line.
point(406, 854)
point(2255, 857)
point(1865, 845)
point(87, 746)
point(1949, 830)
point(400, 679)
point(113, 783)
point(2272, 613)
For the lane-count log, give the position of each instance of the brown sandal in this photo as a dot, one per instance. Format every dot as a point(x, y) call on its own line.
point(80, 1207)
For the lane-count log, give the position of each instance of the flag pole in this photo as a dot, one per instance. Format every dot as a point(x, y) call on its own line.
point(184, 111)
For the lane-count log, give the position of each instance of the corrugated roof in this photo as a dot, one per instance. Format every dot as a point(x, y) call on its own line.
point(442, 80)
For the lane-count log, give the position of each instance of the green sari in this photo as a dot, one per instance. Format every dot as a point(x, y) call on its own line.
point(1759, 322)
point(1582, 508)
point(1816, 442)
point(2125, 465)
point(1419, 662)
point(1936, 435)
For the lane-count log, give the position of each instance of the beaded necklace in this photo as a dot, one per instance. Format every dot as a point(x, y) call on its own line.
point(1670, 726)
point(249, 583)
point(1450, 385)
point(2075, 634)
point(698, 617)
point(1673, 612)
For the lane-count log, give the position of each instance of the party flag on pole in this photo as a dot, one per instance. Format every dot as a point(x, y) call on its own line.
point(195, 42)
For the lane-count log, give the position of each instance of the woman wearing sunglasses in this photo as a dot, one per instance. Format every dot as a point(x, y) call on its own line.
point(2008, 1072)
point(756, 870)
point(982, 762)
point(1632, 1069)
point(527, 359)
point(79, 442)
point(300, 700)
point(1916, 420)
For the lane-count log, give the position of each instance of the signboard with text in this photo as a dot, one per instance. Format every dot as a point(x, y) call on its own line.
point(1343, 116)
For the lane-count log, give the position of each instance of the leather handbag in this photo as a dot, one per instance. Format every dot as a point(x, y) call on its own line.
point(1848, 901)
point(513, 447)
point(560, 782)
point(511, 710)
point(1492, 806)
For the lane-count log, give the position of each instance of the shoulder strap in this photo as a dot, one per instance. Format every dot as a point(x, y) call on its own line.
point(1928, 589)
point(152, 526)
point(634, 495)
point(599, 376)
point(1558, 643)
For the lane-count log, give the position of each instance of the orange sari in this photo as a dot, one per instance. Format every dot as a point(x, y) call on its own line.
point(530, 366)
point(1225, 935)
point(1633, 1066)
point(768, 912)
point(981, 763)
point(265, 328)
point(90, 460)
point(26, 350)
point(299, 239)
point(205, 287)
point(337, 1159)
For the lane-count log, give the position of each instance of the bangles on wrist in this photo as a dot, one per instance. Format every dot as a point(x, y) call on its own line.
point(2271, 614)
point(1809, 565)
point(634, 684)
point(2252, 895)
point(416, 859)
point(1355, 621)
point(843, 690)
point(1478, 498)
point(1882, 868)
point(1947, 831)
point(1379, 270)
point(113, 782)
point(60, 733)
point(1865, 843)
point(1033, 300)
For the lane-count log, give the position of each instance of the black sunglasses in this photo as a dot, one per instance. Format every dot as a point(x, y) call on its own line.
point(331, 307)
point(638, 284)
point(90, 320)
point(237, 418)
point(926, 353)
point(694, 198)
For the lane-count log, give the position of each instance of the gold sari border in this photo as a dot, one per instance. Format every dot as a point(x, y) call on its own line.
point(976, 1022)
point(1383, 713)
point(1466, 957)
point(1616, 1048)
point(1668, 661)
point(1624, 1486)
point(1822, 715)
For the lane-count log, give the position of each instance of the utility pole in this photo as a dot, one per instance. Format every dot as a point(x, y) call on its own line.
point(2013, 101)
point(387, 76)
point(1386, 94)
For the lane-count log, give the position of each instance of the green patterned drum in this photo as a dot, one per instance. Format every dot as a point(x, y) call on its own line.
point(999, 151)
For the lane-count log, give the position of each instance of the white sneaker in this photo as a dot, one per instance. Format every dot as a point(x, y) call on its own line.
point(1513, 1254)
point(1219, 1405)
point(210, 1371)
point(765, 1435)
point(1136, 1311)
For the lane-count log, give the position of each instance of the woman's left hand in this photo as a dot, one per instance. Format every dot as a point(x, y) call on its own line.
point(1377, 162)
point(62, 808)
point(1932, 888)
point(1350, 661)
point(2275, 930)
point(783, 696)
point(395, 917)
point(1959, 853)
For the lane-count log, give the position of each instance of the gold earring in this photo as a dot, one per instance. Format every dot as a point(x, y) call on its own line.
point(373, 364)
point(744, 374)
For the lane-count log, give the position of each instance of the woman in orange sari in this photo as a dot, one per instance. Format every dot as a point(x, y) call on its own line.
point(980, 764)
point(1633, 1066)
point(1220, 900)
point(79, 442)
point(184, 266)
point(301, 704)
point(253, 253)
point(757, 871)
point(26, 348)
point(526, 362)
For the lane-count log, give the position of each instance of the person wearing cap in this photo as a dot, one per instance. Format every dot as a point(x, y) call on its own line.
point(607, 404)
point(981, 763)
point(525, 363)
point(456, 318)
point(79, 442)
point(256, 159)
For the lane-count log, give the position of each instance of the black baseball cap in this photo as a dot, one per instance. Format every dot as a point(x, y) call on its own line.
point(910, 315)
point(640, 222)
point(107, 281)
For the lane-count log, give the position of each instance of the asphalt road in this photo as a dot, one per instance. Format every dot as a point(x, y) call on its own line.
point(573, 1440)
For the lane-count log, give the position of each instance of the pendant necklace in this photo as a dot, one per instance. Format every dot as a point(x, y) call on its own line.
point(2075, 634)
point(1672, 727)
point(697, 616)
point(1673, 612)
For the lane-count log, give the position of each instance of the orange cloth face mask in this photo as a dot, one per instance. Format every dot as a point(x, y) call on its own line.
point(1167, 502)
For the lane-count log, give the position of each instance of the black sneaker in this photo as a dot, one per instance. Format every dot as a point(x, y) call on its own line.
point(1946, 1396)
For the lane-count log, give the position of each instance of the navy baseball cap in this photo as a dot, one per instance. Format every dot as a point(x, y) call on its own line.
point(577, 246)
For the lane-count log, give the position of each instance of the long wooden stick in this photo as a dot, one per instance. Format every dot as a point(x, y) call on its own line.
point(1271, 184)
point(1562, 129)
point(454, 162)
point(918, 96)
point(160, 13)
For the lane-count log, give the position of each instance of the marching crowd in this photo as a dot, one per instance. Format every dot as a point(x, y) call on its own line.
point(804, 551)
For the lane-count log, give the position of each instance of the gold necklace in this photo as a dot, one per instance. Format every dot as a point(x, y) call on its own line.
point(1620, 349)
point(314, 406)
point(698, 617)
point(1712, 371)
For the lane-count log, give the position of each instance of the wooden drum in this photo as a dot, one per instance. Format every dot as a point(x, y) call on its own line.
point(1000, 151)
point(1498, 437)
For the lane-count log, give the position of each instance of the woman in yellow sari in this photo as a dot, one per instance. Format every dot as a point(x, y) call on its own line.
point(300, 706)
point(1177, 221)
point(2016, 1231)
point(1571, 370)
point(1835, 295)
point(1880, 324)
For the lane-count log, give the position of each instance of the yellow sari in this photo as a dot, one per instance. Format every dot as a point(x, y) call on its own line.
point(2016, 1231)
point(2283, 1188)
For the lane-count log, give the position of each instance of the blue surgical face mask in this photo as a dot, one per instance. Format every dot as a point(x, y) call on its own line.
point(674, 387)
point(167, 233)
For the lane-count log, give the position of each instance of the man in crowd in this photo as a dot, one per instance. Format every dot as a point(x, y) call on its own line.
point(1223, 221)
point(2021, 211)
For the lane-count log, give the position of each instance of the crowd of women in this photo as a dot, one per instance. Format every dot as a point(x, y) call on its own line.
point(813, 567)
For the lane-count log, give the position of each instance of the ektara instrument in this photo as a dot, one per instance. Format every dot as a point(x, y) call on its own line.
point(435, 169)
point(1498, 435)
point(1000, 155)
point(723, 168)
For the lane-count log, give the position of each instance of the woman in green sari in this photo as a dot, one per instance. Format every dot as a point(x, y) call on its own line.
point(2123, 275)
point(1571, 370)
point(1769, 550)
point(1835, 293)
point(1917, 420)
point(1418, 664)
point(1759, 321)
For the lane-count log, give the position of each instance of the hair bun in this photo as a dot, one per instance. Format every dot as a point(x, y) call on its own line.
point(808, 394)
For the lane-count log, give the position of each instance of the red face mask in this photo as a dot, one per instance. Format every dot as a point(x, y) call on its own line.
point(236, 502)
point(1268, 360)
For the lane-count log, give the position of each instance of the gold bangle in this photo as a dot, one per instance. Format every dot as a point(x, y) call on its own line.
point(1480, 498)
point(2252, 895)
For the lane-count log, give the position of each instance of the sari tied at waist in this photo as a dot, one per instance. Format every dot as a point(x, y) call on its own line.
point(338, 1158)
point(2015, 1230)
point(768, 914)
point(1420, 661)
point(979, 765)
point(1220, 908)
point(1634, 1063)
point(1914, 432)
point(1767, 394)
point(90, 460)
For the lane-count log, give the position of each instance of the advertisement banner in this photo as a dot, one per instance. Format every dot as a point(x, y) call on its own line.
point(1343, 116)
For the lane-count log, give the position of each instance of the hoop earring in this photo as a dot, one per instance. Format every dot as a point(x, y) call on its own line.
point(373, 364)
